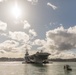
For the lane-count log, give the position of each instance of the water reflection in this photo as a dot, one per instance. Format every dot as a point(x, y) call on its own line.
point(35, 69)
point(39, 65)
point(67, 72)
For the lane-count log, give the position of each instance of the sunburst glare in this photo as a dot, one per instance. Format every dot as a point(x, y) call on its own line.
point(16, 11)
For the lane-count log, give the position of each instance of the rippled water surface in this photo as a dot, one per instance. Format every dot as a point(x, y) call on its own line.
point(17, 68)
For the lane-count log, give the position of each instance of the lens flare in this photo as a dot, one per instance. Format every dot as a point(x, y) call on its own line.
point(16, 11)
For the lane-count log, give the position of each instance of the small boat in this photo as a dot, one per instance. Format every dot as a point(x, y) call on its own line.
point(67, 68)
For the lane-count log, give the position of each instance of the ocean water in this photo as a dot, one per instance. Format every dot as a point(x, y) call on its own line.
point(17, 68)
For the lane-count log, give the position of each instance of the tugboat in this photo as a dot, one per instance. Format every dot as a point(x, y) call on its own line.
point(37, 58)
point(67, 68)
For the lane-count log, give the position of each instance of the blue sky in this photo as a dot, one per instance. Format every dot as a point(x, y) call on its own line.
point(43, 24)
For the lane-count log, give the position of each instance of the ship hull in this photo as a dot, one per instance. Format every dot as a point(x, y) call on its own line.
point(35, 62)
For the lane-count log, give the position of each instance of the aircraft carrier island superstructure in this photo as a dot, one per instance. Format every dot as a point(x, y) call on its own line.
point(38, 57)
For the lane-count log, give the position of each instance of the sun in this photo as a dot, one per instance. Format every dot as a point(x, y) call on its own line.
point(16, 11)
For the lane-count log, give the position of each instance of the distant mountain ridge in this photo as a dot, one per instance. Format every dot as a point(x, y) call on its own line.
point(52, 59)
point(11, 59)
point(63, 60)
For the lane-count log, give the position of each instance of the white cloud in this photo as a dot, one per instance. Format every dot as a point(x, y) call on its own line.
point(32, 32)
point(67, 55)
point(2, 51)
point(8, 45)
point(62, 39)
point(12, 48)
point(3, 34)
point(29, 0)
point(52, 6)
point(26, 25)
point(58, 41)
point(26, 46)
point(3, 26)
point(2, 0)
point(33, 1)
point(63, 55)
point(19, 36)
point(39, 42)
point(72, 30)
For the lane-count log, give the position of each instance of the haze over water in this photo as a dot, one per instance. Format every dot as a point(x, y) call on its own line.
point(17, 68)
